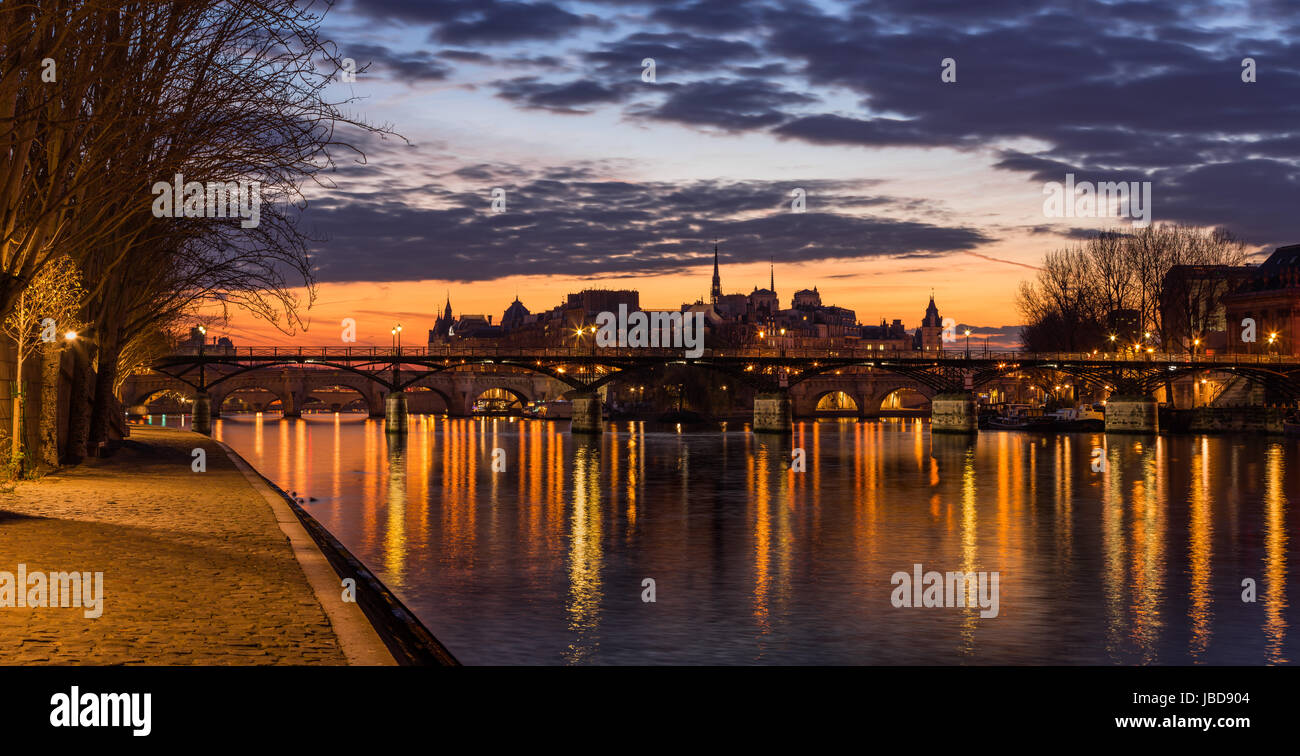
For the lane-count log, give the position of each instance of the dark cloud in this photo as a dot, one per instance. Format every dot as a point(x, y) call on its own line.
point(426, 11)
point(603, 228)
point(415, 66)
point(1109, 89)
point(501, 22)
point(674, 53)
point(563, 97)
point(465, 56)
point(732, 105)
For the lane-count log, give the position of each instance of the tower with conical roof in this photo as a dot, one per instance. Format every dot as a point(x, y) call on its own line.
point(442, 326)
point(930, 337)
point(932, 318)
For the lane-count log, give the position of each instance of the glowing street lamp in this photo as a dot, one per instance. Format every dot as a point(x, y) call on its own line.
point(397, 335)
point(70, 335)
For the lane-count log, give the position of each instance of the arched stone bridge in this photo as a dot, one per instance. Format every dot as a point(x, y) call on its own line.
point(455, 392)
point(783, 379)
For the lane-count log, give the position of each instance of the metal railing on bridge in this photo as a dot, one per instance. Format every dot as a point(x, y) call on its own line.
point(310, 353)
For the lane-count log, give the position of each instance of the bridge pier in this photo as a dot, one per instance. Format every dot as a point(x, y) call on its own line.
point(772, 413)
point(955, 412)
point(1132, 414)
point(290, 406)
point(586, 414)
point(395, 414)
point(203, 413)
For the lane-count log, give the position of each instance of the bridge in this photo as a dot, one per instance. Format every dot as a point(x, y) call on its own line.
point(779, 377)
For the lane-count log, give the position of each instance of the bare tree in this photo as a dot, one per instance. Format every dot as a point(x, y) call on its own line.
point(1191, 293)
point(1061, 301)
point(1109, 270)
point(41, 312)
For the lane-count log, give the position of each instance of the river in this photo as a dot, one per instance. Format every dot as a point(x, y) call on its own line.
point(1134, 554)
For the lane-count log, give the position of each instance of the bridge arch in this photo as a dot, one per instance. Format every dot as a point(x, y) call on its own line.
point(894, 398)
point(312, 390)
point(507, 398)
point(219, 397)
point(835, 402)
point(146, 395)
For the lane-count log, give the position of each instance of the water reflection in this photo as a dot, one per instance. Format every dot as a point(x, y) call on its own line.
point(519, 543)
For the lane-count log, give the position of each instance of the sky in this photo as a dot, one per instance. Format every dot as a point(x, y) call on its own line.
point(911, 183)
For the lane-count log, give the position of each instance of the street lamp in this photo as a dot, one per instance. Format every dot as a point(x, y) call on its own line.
point(70, 335)
point(397, 335)
point(968, 343)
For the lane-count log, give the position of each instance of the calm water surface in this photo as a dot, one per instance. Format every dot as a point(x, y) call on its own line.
point(753, 563)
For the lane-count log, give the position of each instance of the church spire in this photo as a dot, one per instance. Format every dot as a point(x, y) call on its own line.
point(715, 293)
point(772, 271)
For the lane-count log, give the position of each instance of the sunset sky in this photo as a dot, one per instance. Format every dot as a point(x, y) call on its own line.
point(912, 183)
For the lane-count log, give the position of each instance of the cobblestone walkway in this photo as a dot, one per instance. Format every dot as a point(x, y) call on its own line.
point(196, 569)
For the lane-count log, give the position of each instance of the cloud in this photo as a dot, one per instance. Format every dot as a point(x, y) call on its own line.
point(415, 66)
point(732, 105)
point(1127, 91)
point(565, 97)
point(581, 227)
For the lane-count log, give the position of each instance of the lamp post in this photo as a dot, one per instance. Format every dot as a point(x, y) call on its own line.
point(202, 420)
point(396, 331)
point(968, 343)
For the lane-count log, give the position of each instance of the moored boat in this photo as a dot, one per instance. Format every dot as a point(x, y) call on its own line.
point(1085, 417)
point(1021, 417)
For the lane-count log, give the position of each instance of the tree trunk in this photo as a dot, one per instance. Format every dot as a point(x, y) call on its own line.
point(78, 406)
point(16, 448)
point(47, 448)
point(105, 377)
